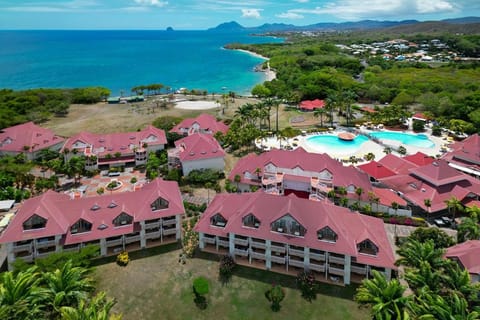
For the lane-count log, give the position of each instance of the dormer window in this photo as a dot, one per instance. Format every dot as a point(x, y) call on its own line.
point(367, 247)
point(103, 226)
point(34, 222)
point(112, 205)
point(288, 225)
point(81, 226)
point(159, 204)
point(95, 207)
point(327, 234)
point(122, 219)
point(218, 220)
point(251, 221)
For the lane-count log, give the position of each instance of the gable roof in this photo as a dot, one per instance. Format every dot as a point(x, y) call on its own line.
point(438, 173)
point(351, 228)
point(206, 122)
point(199, 146)
point(376, 170)
point(419, 158)
point(466, 152)
point(62, 212)
point(397, 164)
point(468, 253)
point(14, 139)
point(312, 104)
point(111, 143)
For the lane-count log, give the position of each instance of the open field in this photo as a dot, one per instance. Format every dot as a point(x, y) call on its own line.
point(158, 287)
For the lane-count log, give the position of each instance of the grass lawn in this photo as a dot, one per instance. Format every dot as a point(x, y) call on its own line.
point(156, 286)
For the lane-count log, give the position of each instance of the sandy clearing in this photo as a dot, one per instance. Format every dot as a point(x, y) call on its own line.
point(197, 105)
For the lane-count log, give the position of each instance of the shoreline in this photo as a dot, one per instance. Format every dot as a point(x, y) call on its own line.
point(269, 73)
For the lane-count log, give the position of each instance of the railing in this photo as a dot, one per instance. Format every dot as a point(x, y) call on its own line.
point(242, 242)
point(28, 258)
point(23, 247)
point(296, 252)
point(223, 243)
point(358, 270)
point(371, 271)
point(132, 239)
point(169, 222)
point(317, 256)
point(77, 248)
point(113, 243)
point(152, 235)
point(296, 263)
point(256, 244)
point(280, 260)
point(152, 225)
point(44, 254)
point(337, 271)
point(337, 260)
point(257, 255)
point(277, 249)
point(317, 267)
point(167, 232)
point(241, 252)
point(45, 244)
point(209, 240)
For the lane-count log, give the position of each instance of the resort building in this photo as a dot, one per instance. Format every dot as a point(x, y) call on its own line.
point(311, 105)
point(289, 234)
point(467, 255)
point(29, 139)
point(55, 222)
point(115, 149)
point(465, 155)
point(436, 182)
point(308, 175)
point(204, 123)
point(195, 152)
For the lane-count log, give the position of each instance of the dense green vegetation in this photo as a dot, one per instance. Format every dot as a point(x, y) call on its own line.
point(39, 105)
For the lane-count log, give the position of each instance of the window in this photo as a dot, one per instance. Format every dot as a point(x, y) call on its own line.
point(287, 224)
point(81, 226)
point(122, 219)
point(34, 222)
point(103, 226)
point(251, 221)
point(327, 234)
point(112, 205)
point(159, 204)
point(95, 207)
point(218, 221)
point(367, 247)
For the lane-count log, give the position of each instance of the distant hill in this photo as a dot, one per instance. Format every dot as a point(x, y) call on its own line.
point(452, 25)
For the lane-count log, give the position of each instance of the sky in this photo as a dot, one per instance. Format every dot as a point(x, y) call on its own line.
point(204, 14)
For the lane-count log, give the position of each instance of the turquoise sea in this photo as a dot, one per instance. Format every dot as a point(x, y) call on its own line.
point(120, 60)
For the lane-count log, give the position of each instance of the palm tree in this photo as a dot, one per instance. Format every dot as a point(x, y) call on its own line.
point(372, 197)
point(468, 230)
point(331, 194)
point(428, 204)
point(67, 286)
point(453, 204)
point(369, 156)
point(98, 309)
point(359, 192)
point(386, 298)
point(413, 253)
point(320, 113)
point(425, 275)
point(474, 212)
point(387, 150)
point(331, 103)
point(395, 206)
point(20, 295)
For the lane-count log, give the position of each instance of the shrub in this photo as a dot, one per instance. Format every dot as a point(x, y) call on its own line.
point(123, 259)
point(133, 180)
point(418, 126)
point(307, 285)
point(100, 191)
point(275, 295)
point(200, 289)
point(226, 266)
point(190, 238)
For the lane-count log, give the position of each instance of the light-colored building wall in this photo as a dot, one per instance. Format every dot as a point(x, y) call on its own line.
point(211, 163)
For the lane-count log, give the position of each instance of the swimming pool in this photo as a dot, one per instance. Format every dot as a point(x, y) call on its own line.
point(416, 140)
point(333, 145)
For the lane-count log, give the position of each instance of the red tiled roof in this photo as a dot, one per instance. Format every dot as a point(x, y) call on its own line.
point(14, 139)
point(397, 164)
point(376, 170)
point(62, 212)
point(419, 158)
point(312, 104)
point(204, 121)
point(387, 197)
point(438, 173)
point(305, 161)
point(351, 228)
point(468, 253)
point(466, 152)
point(368, 109)
point(420, 116)
point(199, 146)
point(111, 143)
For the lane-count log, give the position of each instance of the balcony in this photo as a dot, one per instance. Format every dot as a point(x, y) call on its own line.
point(152, 235)
point(296, 263)
point(359, 270)
point(223, 243)
point(257, 244)
point(169, 222)
point(317, 267)
point(272, 178)
point(241, 242)
point(167, 232)
point(209, 240)
point(113, 243)
point(241, 252)
point(28, 258)
point(257, 255)
point(22, 247)
point(43, 254)
point(132, 239)
point(152, 225)
point(337, 271)
point(279, 260)
point(317, 256)
point(69, 248)
point(316, 197)
point(279, 249)
point(45, 244)
point(336, 260)
point(296, 252)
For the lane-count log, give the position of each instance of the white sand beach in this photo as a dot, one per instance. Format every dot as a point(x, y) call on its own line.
point(269, 73)
point(196, 105)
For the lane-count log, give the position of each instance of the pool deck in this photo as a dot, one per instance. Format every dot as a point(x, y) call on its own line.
point(366, 147)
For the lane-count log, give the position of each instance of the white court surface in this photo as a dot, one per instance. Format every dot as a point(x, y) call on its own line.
point(197, 105)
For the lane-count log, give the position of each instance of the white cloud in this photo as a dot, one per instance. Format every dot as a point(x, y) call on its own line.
point(289, 15)
point(431, 6)
point(251, 13)
point(153, 3)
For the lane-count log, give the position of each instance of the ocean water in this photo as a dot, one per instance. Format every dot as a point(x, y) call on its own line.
point(120, 60)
